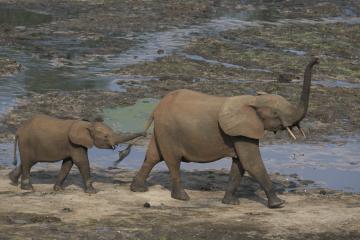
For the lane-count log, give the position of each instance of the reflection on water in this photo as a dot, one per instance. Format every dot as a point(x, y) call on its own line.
point(335, 166)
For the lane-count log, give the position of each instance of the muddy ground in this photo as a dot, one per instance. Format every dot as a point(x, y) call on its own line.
point(116, 213)
point(251, 46)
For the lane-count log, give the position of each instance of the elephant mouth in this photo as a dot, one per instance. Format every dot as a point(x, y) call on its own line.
point(288, 129)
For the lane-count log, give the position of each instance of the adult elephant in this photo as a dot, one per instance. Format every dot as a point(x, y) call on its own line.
point(195, 127)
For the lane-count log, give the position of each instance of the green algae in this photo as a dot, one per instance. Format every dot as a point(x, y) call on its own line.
point(130, 118)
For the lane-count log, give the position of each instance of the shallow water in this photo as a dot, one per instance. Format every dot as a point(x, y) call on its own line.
point(336, 83)
point(130, 118)
point(228, 65)
point(93, 72)
point(334, 166)
point(331, 165)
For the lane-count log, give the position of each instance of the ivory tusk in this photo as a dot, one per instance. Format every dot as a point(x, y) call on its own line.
point(302, 132)
point(291, 133)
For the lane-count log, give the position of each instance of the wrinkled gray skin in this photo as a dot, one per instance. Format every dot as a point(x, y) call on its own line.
point(195, 127)
point(48, 139)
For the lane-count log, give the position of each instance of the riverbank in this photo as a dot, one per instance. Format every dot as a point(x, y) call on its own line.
point(116, 213)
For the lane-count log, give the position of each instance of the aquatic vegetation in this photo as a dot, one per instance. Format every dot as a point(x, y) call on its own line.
point(130, 118)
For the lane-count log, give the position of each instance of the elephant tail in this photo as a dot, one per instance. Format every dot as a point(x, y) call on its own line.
point(149, 122)
point(15, 146)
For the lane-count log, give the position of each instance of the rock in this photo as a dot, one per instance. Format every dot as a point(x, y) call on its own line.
point(306, 182)
point(294, 175)
point(67, 210)
point(20, 28)
point(292, 184)
point(285, 77)
point(322, 192)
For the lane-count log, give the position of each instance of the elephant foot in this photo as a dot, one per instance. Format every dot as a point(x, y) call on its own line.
point(58, 188)
point(90, 190)
point(138, 187)
point(232, 200)
point(26, 186)
point(180, 195)
point(275, 202)
point(13, 179)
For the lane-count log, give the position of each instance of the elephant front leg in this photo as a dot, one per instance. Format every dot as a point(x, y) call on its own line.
point(80, 159)
point(64, 171)
point(236, 174)
point(249, 154)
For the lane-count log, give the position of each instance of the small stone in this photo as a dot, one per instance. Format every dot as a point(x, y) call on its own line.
point(160, 51)
point(306, 182)
point(147, 205)
point(285, 77)
point(67, 210)
point(293, 175)
point(323, 192)
point(20, 28)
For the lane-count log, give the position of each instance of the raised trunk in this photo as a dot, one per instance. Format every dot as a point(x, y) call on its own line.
point(304, 99)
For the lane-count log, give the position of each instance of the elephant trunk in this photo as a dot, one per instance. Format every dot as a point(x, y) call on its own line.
point(304, 99)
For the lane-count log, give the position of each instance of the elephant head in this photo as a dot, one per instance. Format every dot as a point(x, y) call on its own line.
point(250, 116)
point(88, 134)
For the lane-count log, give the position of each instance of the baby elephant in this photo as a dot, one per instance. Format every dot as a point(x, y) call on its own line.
point(48, 139)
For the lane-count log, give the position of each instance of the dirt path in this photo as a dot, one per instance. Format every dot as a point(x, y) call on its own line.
point(116, 213)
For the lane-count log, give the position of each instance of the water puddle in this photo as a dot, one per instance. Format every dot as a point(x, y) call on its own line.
point(130, 118)
point(94, 72)
point(40, 76)
point(227, 65)
point(22, 17)
point(330, 165)
point(336, 83)
point(296, 52)
point(155, 45)
point(334, 166)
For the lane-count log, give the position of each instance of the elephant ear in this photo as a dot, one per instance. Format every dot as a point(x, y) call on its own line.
point(79, 134)
point(238, 118)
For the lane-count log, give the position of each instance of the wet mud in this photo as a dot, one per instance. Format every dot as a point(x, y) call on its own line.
point(121, 214)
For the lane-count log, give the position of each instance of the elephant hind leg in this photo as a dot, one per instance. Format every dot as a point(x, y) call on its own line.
point(236, 173)
point(25, 175)
point(173, 162)
point(152, 157)
point(177, 189)
point(14, 175)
